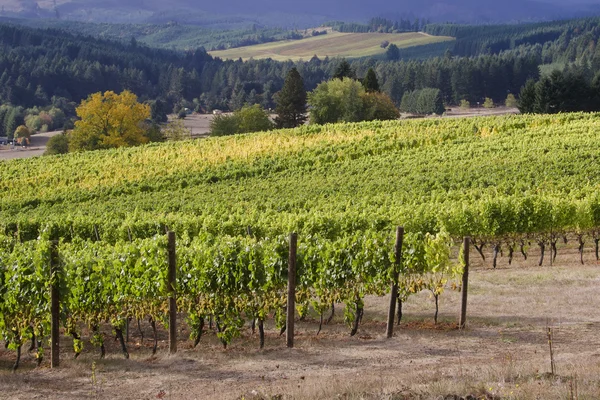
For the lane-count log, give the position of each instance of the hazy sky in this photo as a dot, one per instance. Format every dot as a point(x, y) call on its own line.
point(467, 11)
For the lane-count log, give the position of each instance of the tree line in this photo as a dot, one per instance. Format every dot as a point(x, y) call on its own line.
point(569, 90)
point(380, 24)
point(169, 35)
point(472, 40)
point(43, 69)
point(345, 98)
point(115, 120)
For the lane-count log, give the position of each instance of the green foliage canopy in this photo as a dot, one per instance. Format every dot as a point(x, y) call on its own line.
point(423, 102)
point(291, 102)
point(338, 100)
point(247, 119)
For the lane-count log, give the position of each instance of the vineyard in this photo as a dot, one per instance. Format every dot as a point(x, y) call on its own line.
point(511, 183)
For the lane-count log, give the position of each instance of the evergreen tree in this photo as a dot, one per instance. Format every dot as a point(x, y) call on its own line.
point(12, 120)
point(291, 103)
point(595, 92)
point(238, 98)
point(527, 97)
point(41, 99)
point(488, 103)
point(423, 102)
point(409, 102)
point(544, 100)
point(574, 92)
point(252, 98)
point(395, 90)
point(393, 52)
point(158, 111)
point(344, 70)
point(3, 112)
point(370, 82)
point(483, 61)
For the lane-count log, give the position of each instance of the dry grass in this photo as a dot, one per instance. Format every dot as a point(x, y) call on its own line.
point(503, 354)
point(198, 124)
point(333, 44)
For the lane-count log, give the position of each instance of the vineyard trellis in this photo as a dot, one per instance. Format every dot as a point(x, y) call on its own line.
point(230, 280)
point(509, 183)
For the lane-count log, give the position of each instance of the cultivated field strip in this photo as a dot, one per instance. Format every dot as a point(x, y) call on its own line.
point(326, 180)
point(333, 44)
point(509, 182)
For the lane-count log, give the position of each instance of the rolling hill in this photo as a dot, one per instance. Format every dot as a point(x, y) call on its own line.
point(317, 179)
point(333, 44)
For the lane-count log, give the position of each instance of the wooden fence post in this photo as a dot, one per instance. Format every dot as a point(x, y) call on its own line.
point(54, 306)
point(465, 283)
point(291, 297)
point(172, 282)
point(394, 293)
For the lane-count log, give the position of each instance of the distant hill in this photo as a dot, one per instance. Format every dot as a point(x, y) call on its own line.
point(300, 15)
point(172, 36)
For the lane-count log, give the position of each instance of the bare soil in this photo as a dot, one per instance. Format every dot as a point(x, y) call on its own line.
point(37, 147)
point(457, 112)
point(198, 124)
point(502, 354)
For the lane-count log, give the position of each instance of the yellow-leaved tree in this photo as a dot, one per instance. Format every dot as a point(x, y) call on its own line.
point(22, 134)
point(109, 120)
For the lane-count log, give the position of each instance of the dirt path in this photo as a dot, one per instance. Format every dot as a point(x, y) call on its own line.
point(36, 148)
point(198, 124)
point(457, 112)
point(503, 352)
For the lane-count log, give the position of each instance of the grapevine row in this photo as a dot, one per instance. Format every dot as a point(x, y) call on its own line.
point(508, 182)
point(228, 279)
point(328, 180)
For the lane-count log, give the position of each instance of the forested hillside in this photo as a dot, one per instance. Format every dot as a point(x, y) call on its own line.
point(473, 40)
point(169, 35)
point(50, 67)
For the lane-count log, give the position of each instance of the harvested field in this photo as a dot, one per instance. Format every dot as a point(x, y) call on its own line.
point(334, 44)
point(503, 353)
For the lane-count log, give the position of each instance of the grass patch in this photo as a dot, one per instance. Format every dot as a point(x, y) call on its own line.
point(334, 44)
